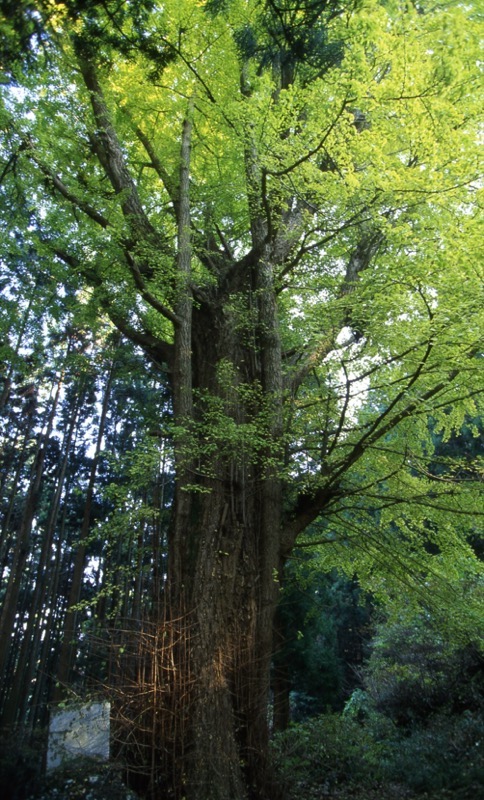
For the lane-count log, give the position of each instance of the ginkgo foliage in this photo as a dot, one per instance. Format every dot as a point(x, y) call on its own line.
point(278, 201)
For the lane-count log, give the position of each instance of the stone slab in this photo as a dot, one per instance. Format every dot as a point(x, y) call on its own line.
point(78, 731)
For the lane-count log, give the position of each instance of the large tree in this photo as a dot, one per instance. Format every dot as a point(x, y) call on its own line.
point(276, 201)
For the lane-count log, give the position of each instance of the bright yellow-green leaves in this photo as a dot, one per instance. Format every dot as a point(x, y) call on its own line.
point(386, 140)
point(372, 155)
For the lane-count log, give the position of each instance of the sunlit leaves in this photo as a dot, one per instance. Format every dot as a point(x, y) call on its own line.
point(349, 135)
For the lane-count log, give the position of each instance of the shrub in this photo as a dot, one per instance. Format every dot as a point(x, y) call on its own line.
point(325, 752)
point(446, 754)
point(344, 751)
point(412, 674)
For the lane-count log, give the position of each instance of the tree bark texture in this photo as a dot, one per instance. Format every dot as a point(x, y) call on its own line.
point(225, 563)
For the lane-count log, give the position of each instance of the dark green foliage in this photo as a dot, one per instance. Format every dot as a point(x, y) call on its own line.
point(246, 40)
point(299, 32)
point(447, 754)
point(310, 647)
point(22, 33)
point(124, 28)
point(433, 693)
point(324, 753)
point(417, 727)
point(292, 35)
point(413, 673)
point(323, 620)
point(374, 759)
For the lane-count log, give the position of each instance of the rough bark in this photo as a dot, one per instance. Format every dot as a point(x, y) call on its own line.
point(228, 528)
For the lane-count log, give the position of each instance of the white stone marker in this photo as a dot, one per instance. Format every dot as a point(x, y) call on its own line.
point(78, 731)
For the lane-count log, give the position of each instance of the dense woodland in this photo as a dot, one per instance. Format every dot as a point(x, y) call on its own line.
point(241, 392)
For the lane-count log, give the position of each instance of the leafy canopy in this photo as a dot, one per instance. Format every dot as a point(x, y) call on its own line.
point(349, 132)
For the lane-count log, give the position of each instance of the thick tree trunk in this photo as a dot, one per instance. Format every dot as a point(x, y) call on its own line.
point(231, 612)
point(224, 544)
point(225, 567)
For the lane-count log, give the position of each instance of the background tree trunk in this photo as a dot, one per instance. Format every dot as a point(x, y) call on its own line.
point(23, 544)
point(68, 646)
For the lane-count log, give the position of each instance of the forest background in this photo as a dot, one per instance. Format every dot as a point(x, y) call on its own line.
point(242, 377)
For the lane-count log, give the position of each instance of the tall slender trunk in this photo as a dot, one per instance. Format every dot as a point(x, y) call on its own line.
point(13, 481)
point(22, 544)
point(37, 711)
point(182, 368)
point(68, 647)
point(7, 378)
point(27, 662)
